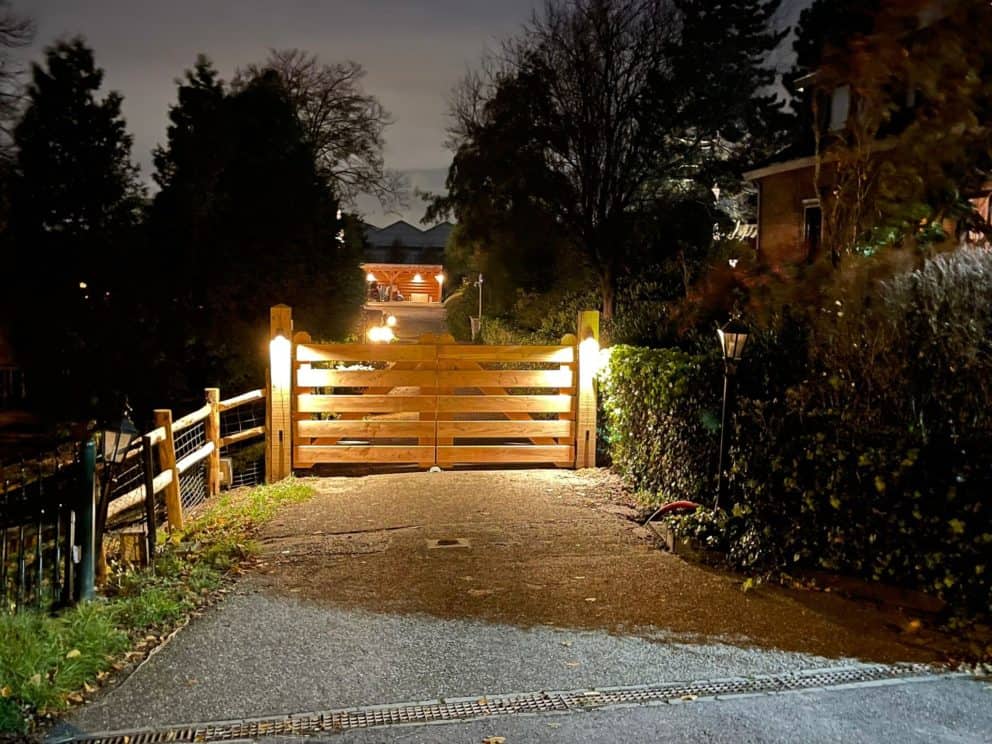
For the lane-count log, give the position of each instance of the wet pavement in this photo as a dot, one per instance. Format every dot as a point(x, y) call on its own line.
point(549, 588)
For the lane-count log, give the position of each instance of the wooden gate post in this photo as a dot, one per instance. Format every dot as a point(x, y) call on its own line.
point(167, 461)
point(585, 417)
point(211, 430)
point(279, 434)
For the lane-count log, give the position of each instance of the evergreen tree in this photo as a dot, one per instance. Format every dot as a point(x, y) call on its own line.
point(75, 201)
point(243, 221)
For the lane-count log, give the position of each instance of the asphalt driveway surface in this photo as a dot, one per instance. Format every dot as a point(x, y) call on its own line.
point(423, 586)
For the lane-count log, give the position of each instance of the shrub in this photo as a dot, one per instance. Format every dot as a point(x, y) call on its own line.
point(662, 420)
point(880, 462)
point(861, 443)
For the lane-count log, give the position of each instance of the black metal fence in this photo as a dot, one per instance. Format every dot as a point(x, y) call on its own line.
point(13, 387)
point(40, 502)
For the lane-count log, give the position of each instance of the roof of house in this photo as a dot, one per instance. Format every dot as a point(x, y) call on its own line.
point(403, 233)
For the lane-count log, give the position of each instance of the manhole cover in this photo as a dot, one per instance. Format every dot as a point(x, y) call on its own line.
point(448, 542)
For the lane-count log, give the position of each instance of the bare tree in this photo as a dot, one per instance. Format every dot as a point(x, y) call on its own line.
point(15, 31)
point(597, 59)
point(342, 122)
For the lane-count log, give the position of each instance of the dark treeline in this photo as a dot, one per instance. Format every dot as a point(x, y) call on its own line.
point(599, 156)
point(110, 292)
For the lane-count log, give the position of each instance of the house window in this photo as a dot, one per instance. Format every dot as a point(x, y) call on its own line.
point(812, 227)
point(840, 106)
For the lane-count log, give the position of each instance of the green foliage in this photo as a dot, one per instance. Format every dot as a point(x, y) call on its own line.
point(44, 658)
point(659, 406)
point(860, 445)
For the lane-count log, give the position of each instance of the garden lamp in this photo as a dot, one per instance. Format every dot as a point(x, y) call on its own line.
point(116, 438)
point(733, 338)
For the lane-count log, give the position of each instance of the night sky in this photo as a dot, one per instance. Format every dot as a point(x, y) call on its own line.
point(414, 52)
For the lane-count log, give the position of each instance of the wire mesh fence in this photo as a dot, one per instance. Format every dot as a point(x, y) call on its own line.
point(193, 486)
point(242, 418)
point(247, 457)
point(247, 463)
point(189, 440)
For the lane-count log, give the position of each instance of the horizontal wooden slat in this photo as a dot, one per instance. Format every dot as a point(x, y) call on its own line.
point(551, 378)
point(466, 352)
point(137, 495)
point(309, 455)
point(241, 436)
point(307, 377)
point(365, 352)
point(157, 435)
point(367, 429)
point(194, 457)
point(559, 454)
point(307, 403)
point(503, 429)
point(189, 419)
point(504, 403)
point(240, 400)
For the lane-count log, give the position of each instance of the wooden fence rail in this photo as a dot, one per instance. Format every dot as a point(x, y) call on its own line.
point(162, 468)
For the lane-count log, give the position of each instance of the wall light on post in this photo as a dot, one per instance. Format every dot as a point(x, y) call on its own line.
point(585, 406)
point(279, 437)
point(733, 338)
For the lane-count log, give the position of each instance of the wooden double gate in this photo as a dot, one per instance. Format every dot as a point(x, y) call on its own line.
point(434, 403)
point(429, 403)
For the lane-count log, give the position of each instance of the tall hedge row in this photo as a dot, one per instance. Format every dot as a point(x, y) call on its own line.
point(862, 445)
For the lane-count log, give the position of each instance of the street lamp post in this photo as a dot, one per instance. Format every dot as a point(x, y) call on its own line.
point(115, 440)
point(440, 286)
point(733, 338)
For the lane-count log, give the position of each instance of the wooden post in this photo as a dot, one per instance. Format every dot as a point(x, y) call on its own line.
point(279, 436)
point(149, 474)
point(211, 430)
point(167, 461)
point(587, 353)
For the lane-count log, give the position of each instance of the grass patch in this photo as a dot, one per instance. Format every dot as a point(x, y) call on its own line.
point(47, 661)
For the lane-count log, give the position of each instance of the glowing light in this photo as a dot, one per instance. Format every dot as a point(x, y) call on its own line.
point(589, 360)
point(280, 350)
point(370, 277)
point(380, 334)
point(440, 278)
point(418, 278)
point(391, 321)
point(83, 285)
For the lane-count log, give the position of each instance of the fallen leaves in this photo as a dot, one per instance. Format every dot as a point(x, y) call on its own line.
point(494, 740)
point(75, 653)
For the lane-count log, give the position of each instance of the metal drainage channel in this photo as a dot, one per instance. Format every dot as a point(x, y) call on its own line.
point(462, 709)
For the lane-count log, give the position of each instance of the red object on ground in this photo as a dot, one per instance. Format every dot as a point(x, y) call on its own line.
point(676, 506)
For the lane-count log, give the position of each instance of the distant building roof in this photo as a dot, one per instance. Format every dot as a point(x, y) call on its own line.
point(405, 234)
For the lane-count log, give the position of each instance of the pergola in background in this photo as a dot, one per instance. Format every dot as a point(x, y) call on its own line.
point(416, 282)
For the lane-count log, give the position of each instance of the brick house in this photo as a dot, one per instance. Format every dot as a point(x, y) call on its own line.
point(790, 215)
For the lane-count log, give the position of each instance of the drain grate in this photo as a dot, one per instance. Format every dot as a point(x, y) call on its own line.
point(462, 709)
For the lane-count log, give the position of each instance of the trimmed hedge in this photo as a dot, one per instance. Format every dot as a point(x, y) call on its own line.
point(662, 424)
